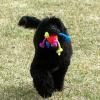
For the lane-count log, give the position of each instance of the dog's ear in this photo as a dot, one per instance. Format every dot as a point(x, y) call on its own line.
point(29, 22)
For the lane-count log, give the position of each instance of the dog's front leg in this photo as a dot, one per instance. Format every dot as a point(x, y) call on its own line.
point(43, 82)
point(59, 75)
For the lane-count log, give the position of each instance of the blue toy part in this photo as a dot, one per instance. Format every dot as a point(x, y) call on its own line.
point(47, 44)
point(65, 36)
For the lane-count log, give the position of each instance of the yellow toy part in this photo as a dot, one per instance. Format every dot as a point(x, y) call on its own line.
point(46, 35)
point(59, 51)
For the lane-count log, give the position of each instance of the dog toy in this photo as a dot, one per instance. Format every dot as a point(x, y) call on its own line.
point(59, 49)
point(66, 37)
point(51, 41)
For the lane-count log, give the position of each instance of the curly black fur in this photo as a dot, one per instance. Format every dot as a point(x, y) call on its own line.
point(48, 69)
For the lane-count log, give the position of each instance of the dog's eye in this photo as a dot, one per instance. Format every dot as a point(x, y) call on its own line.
point(52, 29)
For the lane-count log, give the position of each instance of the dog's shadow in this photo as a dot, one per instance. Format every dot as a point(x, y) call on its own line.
point(20, 92)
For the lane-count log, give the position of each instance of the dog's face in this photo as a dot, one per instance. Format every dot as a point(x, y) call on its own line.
point(52, 25)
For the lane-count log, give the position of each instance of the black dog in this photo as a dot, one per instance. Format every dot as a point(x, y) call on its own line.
point(48, 68)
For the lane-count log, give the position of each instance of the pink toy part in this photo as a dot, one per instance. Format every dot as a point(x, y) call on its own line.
point(55, 43)
point(42, 44)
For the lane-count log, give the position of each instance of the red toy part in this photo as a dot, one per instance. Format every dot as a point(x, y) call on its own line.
point(52, 38)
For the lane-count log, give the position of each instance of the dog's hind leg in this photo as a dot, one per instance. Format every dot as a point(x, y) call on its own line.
point(43, 82)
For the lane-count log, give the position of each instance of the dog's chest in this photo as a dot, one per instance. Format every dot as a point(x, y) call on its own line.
point(49, 60)
point(52, 63)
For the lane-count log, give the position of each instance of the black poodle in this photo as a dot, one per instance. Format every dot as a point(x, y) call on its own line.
point(48, 67)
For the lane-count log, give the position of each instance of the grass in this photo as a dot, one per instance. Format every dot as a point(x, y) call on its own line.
point(82, 17)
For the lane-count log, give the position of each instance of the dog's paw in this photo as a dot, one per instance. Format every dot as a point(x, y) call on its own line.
point(58, 88)
point(44, 84)
point(46, 91)
point(46, 88)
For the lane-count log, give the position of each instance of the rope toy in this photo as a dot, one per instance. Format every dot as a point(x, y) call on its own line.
point(53, 41)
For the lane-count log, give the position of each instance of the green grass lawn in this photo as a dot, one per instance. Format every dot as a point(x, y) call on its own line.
point(81, 17)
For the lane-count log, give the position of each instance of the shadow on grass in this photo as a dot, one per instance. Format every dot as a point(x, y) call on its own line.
point(13, 92)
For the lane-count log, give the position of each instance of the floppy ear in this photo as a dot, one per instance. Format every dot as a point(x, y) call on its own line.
point(29, 22)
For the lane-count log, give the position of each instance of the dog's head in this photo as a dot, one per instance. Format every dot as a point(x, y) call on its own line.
point(52, 25)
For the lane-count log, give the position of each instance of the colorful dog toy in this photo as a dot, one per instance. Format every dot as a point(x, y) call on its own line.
point(66, 37)
point(53, 41)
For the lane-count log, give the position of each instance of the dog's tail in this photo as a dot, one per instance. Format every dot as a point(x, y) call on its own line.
point(29, 22)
